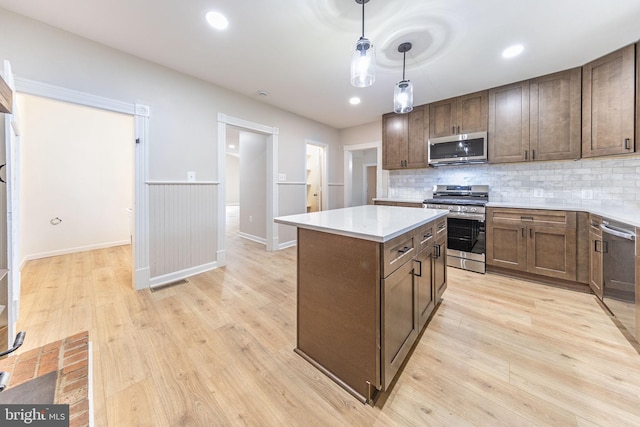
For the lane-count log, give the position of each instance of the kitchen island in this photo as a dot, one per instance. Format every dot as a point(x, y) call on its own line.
point(369, 278)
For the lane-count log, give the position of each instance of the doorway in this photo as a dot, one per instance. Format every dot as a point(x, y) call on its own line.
point(77, 179)
point(361, 163)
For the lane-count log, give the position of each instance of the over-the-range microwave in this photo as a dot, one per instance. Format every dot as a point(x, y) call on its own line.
point(458, 149)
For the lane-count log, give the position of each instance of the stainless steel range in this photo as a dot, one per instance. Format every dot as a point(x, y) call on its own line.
point(466, 242)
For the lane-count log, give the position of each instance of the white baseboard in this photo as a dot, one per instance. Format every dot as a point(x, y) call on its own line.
point(253, 238)
point(74, 250)
point(286, 245)
point(155, 282)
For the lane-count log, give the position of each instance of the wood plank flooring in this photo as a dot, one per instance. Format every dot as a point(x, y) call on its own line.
point(218, 350)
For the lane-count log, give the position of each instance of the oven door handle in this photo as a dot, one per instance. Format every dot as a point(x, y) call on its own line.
point(618, 233)
point(466, 215)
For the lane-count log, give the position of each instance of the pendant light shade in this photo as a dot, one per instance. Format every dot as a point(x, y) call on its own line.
point(363, 61)
point(403, 93)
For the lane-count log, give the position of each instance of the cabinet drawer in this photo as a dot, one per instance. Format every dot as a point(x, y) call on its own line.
point(537, 217)
point(425, 237)
point(397, 251)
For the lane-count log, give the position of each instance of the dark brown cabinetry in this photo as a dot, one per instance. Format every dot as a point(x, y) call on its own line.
point(595, 255)
point(608, 102)
point(362, 304)
point(509, 123)
point(464, 114)
point(440, 260)
point(404, 139)
point(555, 116)
point(540, 242)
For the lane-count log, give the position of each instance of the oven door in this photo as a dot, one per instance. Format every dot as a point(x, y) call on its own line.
point(466, 241)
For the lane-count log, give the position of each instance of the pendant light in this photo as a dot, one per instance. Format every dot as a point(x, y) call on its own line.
point(403, 94)
point(363, 61)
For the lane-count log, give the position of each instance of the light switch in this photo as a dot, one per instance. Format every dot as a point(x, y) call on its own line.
point(191, 176)
point(282, 177)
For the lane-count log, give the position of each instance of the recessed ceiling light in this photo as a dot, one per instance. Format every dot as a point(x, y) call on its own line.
point(231, 146)
point(512, 51)
point(217, 20)
point(354, 101)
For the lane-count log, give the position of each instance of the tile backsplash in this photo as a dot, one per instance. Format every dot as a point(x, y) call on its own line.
point(610, 181)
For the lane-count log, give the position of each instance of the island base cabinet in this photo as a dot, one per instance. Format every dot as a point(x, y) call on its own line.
point(338, 309)
point(440, 261)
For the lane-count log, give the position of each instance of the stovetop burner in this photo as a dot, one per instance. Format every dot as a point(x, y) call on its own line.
point(469, 195)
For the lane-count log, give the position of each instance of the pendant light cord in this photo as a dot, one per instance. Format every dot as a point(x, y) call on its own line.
point(404, 58)
point(363, 2)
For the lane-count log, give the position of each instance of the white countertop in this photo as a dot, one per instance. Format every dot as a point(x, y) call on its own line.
point(626, 215)
point(395, 199)
point(369, 222)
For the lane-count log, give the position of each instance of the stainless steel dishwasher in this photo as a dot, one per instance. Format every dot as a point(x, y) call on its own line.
point(618, 272)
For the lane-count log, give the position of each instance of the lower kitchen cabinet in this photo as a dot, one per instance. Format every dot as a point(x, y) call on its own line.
point(542, 242)
point(595, 255)
point(362, 304)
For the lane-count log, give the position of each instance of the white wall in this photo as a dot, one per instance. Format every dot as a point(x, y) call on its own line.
point(183, 120)
point(253, 186)
point(77, 165)
point(233, 180)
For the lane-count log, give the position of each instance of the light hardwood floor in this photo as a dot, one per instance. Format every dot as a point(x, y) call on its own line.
point(218, 350)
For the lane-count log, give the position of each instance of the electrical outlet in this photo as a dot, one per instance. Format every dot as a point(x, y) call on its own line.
point(191, 176)
point(587, 194)
point(538, 192)
point(282, 177)
point(250, 218)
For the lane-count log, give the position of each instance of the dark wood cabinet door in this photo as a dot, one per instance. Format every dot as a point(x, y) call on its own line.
point(506, 245)
point(555, 116)
point(400, 328)
point(424, 285)
point(473, 112)
point(509, 123)
point(395, 133)
point(442, 118)
point(551, 251)
point(608, 97)
point(440, 267)
point(595, 264)
point(417, 137)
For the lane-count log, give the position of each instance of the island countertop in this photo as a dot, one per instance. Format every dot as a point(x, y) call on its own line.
point(368, 222)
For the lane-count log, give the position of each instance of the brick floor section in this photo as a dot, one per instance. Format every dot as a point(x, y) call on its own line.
point(70, 357)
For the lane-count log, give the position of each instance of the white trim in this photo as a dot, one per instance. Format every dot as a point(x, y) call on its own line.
point(182, 274)
point(365, 185)
point(140, 238)
point(253, 238)
point(291, 183)
point(272, 179)
point(382, 175)
point(288, 244)
point(182, 183)
point(46, 90)
point(336, 184)
point(75, 250)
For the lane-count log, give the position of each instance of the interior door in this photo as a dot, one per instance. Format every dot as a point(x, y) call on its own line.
point(12, 160)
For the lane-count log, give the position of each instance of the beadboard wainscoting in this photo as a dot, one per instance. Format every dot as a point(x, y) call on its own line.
point(182, 229)
point(292, 200)
point(591, 182)
point(336, 196)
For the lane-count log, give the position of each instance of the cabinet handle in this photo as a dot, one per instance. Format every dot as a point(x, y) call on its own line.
point(526, 154)
point(420, 264)
point(533, 154)
point(528, 218)
point(458, 128)
point(522, 231)
point(404, 250)
point(627, 143)
point(595, 246)
point(531, 233)
point(437, 254)
point(453, 129)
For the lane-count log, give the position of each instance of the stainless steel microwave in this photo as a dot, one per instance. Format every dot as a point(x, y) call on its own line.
point(458, 149)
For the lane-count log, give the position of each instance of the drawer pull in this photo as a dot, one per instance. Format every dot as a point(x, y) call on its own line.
point(404, 250)
point(627, 143)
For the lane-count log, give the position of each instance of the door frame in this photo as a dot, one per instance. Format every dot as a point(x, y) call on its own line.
point(382, 177)
point(140, 266)
point(271, 179)
point(365, 181)
point(324, 186)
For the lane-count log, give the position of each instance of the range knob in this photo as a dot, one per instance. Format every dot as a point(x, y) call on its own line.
point(451, 208)
point(464, 209)
point(474, 209)
point(437, 206)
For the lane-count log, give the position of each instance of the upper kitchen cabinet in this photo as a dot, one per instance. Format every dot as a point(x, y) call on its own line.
point(404, 139)
point(608, 96)
point(555, 116)
point(464, 114)
point(509, 123)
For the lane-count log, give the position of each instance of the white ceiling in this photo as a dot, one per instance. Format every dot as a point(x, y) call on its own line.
point(299, 51)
